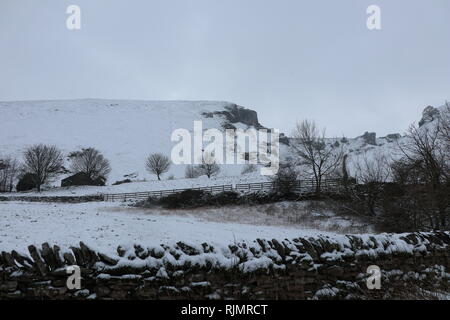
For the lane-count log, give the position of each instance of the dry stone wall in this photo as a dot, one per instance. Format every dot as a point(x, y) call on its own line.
point(319, 267)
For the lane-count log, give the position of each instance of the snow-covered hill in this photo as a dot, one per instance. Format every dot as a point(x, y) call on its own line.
point(126, 132)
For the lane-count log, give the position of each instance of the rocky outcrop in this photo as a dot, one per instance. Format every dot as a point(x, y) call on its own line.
point(393, 136)
point(429, 114)
point(237, 114)
point(234, 114)
point(320, 267)
point(369, 138)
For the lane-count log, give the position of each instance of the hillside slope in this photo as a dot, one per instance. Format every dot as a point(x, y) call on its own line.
point(124, 131)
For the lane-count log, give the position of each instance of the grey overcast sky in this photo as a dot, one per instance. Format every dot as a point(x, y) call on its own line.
point(286, 59)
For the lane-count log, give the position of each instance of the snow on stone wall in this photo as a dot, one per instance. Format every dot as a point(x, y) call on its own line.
point(315, 268)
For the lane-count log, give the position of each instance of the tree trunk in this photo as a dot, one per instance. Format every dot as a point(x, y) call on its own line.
point(318, 184)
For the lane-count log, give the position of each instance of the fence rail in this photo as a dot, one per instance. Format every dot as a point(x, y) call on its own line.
point(299, 186)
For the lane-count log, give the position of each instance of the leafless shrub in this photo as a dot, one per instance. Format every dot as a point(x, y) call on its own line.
point(372, 172)
point(209, 167)
point(191, 172)
point(285, 179)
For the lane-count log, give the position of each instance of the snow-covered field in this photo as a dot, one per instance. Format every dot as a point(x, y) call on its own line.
point(106, 225)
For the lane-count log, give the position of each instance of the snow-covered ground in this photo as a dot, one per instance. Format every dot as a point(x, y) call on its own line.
point(106, 225)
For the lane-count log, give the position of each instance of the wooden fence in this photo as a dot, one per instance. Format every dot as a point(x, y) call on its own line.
point(162, 193)
point(300, 186)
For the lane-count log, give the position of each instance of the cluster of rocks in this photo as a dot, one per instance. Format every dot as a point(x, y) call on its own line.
point(301, 268)
point(370, 138)
point(238, 114)
point(234, 114)
point(429, 114)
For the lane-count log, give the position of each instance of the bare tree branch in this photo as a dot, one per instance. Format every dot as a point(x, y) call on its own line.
point(91, 162)
point(310, 144)
point(209, 166)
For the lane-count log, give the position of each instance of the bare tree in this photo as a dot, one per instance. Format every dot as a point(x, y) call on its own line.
point(372, 168)
point(345, 175)
point(44, 162)
point(372, 172)
point(426, 163)
point(425, 145)
point(91, 162)
point(321, 158)
point(191, 172)
point(444, 126)
point(9, 168)
point(209, 167)
point(158, 164)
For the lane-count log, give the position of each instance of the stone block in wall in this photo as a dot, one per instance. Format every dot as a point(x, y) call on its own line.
point(23, 260)
point(40, 265)
point(8, 259)
point(69, 259)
